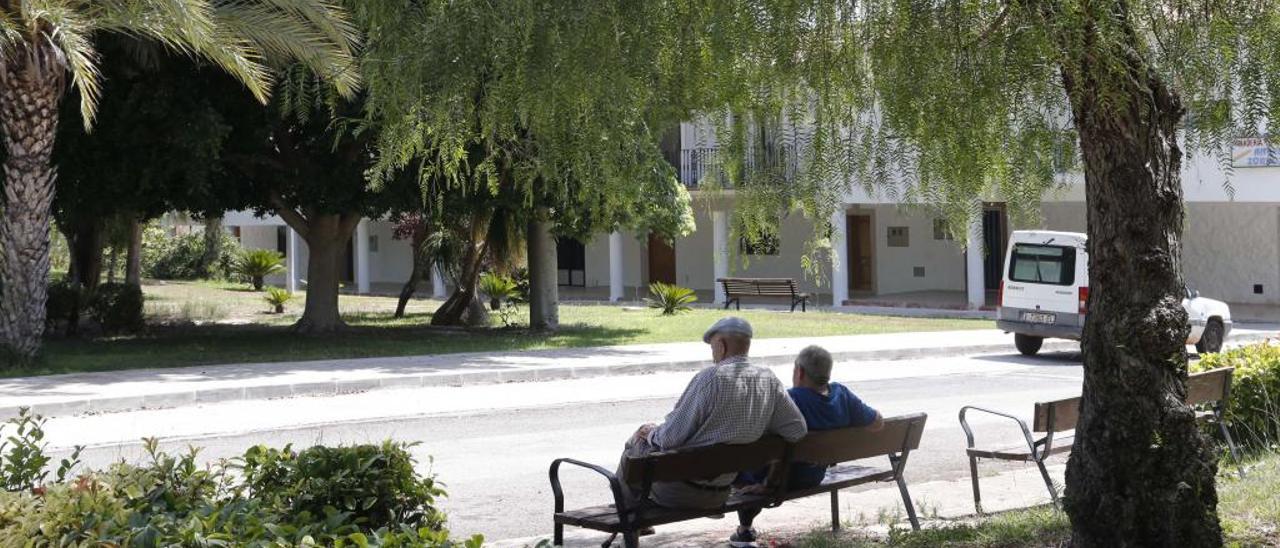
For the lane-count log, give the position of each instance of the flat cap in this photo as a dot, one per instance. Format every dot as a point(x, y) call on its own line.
point(730, 325)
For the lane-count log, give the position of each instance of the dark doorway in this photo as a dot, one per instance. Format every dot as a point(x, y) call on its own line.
point(861, 246)
point(662, 261)
point(993, 230)
point(571, 262)
point(349, 262)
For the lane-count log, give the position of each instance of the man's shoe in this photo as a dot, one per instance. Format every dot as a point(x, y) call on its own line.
point(743, 539)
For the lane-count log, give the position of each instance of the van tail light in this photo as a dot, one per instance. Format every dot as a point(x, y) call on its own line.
point(1084, 300)
point(1000, 295)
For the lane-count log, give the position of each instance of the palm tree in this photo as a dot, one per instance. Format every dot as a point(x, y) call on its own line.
point(48, 45)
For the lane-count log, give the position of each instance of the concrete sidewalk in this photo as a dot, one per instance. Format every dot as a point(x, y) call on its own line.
point(57, 395)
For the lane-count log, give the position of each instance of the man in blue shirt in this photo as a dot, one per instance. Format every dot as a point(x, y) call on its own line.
point(825, 406)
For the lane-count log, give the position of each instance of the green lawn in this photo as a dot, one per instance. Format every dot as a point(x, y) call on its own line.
point(1249, 510)
point(196, 323)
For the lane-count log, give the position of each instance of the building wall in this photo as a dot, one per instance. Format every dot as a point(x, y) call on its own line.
point(634, 247)
point(393, 261)
point(1229, 247)
point(943, 260)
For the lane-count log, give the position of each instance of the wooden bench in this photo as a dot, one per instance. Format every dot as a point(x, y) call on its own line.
point(628, 516)
point(1054, 418)
point(736, 288)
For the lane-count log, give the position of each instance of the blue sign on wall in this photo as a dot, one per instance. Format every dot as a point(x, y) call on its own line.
point(1255, 152)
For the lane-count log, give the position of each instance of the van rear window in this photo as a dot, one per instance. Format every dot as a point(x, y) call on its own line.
point(1043, 264)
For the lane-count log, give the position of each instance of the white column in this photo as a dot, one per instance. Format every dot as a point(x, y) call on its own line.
point(615, 266)
point(437, 283)
point(839, 258)
point(974, 264)
point(720, 250)
point(292, 250)
point(362, 257)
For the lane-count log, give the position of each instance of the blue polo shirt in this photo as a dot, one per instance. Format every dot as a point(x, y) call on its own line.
point(839, 408)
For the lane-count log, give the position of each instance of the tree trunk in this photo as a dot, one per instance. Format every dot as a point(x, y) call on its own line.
point(420, 268)
point(459, 308)
point(212, 246)
point(133, 259)
point(1140, 473)
point(326, 236)
point(85, 244)
point(31, 84)
point(112, 262)
point(544, 291)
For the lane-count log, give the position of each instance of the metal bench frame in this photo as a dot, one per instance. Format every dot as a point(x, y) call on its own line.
point(1201, 389)
point(633, 515)
point(736, 288)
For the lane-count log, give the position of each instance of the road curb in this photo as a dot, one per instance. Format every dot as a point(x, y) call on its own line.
point(482, 376)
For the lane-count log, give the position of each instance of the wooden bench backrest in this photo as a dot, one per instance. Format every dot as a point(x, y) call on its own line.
point(706, 463)
point(846, 444)
point(1064, 414)
point(1209, 386)
point(780, 287)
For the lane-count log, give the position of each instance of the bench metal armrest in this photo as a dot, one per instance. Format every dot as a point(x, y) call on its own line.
point(968, 432)
point(615, 485)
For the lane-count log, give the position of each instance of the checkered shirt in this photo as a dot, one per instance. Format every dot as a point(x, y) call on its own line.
point(730, 402)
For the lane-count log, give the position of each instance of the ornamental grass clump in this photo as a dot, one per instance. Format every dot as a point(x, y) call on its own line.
point(670, 298)
point(277, 297)
point(255, 265)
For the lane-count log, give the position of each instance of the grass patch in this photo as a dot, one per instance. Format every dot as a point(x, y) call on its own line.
point(1248, 509)
point(200, 323)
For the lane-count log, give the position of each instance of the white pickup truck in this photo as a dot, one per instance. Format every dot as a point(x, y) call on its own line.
point(1045, 294)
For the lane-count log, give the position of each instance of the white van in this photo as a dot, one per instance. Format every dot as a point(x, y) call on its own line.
point(1045, 294)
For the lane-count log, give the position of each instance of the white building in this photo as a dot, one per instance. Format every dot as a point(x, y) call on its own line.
point(885, 252)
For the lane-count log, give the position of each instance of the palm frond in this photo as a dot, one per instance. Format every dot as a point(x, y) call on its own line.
point(284, 34)
point(10, 30)
point(70, 33)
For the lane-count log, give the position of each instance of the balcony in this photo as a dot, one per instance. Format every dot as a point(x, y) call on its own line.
point(699, 163)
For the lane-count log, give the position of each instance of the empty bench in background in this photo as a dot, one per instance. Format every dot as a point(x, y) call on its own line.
point(627, 517)
point(1057, 421)
point(736, 288)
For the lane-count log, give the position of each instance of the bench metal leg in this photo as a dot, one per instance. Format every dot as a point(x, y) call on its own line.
point(609, 541)
point(558, 536)
point(1231, 446)
point(906, 501)
point(1048, 482)
point(631, 539)
point(835, 511)
point(977, 493)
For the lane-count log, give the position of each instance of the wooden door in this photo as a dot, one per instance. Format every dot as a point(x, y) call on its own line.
point(993, 242)
point(861, 254)
point(662, 261)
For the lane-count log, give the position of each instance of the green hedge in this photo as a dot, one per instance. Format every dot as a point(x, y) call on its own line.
point(362, 495)
point(1253, 414)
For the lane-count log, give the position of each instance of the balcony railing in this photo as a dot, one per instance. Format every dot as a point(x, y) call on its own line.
point(707, 163)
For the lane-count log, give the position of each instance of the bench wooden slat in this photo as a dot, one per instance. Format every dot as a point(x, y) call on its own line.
point(708, 462)
point(846, 444)
point(1066, 413)
point(1209, 386)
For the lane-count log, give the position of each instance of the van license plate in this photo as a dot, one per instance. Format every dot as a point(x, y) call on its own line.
point(1038, 317)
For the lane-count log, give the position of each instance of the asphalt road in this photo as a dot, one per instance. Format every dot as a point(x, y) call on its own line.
point(493, 452)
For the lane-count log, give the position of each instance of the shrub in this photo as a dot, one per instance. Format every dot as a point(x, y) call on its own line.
point(499, 288)
point(117, 308)
point(277, 298)
point(255, 264)
point(63, 307)
point(1253, 414)
point(364, 495)
point(166, 257)
point(670, 298)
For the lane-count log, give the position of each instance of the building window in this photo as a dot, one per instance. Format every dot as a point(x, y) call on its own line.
point(899, 236)
point(766, 244)
point(571, 262)
point(940, 231)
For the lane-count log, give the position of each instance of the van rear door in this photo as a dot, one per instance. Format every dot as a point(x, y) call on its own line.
point(1042, 276)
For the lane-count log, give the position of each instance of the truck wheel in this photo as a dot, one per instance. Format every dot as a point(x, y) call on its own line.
point(1028, 345)
point(1211, 340)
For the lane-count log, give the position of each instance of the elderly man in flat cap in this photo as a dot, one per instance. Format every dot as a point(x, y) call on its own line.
point(730, 402)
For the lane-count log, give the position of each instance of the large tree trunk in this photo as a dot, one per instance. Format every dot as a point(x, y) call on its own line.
point(212, 246)
point(462, 307)
point(326, 236)
point(133, 259)
point(1140, 473)
point(544, 291)
point(31, 84)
